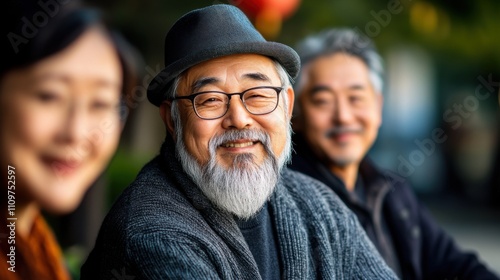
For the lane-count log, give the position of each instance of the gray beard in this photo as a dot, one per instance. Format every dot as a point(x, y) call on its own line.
point(243, 188)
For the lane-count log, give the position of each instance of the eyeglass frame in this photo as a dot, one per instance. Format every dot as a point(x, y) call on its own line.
point(229, 95)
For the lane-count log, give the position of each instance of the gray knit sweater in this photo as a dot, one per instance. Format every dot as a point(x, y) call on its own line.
point(163, 227)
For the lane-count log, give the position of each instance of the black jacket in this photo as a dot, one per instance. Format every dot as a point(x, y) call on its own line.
point(422, 248)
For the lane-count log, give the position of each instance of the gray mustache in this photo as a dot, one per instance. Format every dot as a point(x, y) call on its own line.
point(233, 135)
point(342, 129)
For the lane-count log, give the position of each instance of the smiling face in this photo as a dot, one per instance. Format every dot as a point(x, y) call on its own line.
point(234, 73)
point(340, 111)
point(60, 121)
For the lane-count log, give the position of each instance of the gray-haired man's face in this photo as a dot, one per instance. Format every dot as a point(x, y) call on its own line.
point(235, 159)
point(340, 110)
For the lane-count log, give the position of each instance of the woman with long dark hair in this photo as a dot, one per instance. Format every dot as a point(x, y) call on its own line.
point(63, 77)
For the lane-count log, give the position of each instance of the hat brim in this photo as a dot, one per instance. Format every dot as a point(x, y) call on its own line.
point(285, 55)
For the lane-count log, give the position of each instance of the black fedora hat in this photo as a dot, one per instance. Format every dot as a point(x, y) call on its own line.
point(212, 32)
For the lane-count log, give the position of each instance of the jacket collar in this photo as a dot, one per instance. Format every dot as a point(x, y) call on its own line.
point(375, 180)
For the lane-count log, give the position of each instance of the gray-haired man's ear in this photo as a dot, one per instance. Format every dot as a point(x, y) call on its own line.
point(291, 101)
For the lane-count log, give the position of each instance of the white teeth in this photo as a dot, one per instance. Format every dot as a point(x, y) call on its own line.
point(237, 145)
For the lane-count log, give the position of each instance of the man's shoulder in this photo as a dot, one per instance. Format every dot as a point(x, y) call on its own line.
point(152, 217)
point(400, 197)
point(152, 202)
point(399, 185)
point(297, 181)
point(310, 194)
point(151, 186)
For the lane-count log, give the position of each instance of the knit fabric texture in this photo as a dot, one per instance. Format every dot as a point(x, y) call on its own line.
point(163, 227)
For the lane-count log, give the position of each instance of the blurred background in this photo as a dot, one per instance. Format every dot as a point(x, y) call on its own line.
point(441, 111)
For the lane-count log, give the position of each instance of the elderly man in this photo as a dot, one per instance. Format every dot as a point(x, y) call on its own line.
point(217, 203)
point(338, 114)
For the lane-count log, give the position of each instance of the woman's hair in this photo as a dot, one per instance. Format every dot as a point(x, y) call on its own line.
point(34, 30)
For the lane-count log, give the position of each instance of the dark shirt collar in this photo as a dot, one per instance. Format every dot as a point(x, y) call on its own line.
point(370, 178)
point(253, 221)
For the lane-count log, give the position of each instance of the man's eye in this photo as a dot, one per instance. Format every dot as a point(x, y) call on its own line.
point(212, 100)
point(321, 102)
point(255, 95)
point(209, 100)
point(356, 98)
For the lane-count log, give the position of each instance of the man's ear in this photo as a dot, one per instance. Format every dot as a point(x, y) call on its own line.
point(291, 99)
point(166, 116)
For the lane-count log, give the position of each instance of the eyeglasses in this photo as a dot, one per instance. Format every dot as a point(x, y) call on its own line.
point(211, 105)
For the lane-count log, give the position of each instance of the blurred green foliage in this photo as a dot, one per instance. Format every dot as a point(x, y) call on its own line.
point(122, 170)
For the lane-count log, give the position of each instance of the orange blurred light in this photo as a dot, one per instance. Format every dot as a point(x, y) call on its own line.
point(267, 14)
point(254, 8)
point(424, 17)
point(268, 22)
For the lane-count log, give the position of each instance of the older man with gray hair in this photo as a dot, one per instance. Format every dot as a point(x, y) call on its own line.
point(219, 202)
point(337, 116)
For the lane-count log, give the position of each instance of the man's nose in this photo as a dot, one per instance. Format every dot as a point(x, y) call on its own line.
point(343, 112)
point(237, 116)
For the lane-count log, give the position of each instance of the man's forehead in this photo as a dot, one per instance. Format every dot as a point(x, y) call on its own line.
point(341, 69)
point(243, 67)
point(233, 62)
